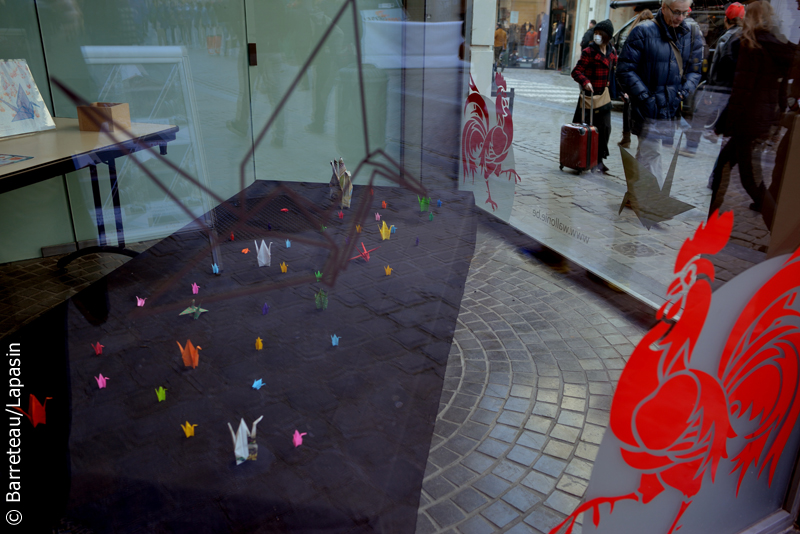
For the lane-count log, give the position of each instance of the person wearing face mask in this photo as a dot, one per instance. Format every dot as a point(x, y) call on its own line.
point(659, 67)
point(592, 73)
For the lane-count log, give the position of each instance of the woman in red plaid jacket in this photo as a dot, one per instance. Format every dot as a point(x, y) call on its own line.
point(592, 74)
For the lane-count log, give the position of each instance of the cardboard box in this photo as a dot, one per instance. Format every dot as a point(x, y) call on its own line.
point(103, 116)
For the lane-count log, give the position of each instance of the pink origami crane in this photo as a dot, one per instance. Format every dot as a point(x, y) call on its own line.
point(98, 349)
point(297, 439)
point(195, 288)
point(101, 381)
point(140, 301)
point(377, 216)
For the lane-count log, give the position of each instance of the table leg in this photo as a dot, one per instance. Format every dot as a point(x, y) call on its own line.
point(98, 207)
point(112, 171)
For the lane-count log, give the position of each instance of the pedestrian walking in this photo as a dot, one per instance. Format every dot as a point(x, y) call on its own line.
point(659, 67)
point(593, 72)
point(500, 41)
point(589, 35)
point(625, 142)
point(758, 97)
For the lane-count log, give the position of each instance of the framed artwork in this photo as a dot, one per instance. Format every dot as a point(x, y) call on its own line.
point(22, 109)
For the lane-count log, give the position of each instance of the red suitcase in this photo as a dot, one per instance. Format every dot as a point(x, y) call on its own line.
point(579, 144)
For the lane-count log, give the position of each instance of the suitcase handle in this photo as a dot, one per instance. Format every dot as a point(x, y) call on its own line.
point(589, 130)
point(583, 109)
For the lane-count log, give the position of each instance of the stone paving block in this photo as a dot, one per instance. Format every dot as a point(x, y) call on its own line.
point(572, 390)
point(562, 502)
point(600, 402)
point(550, 466)
point(437, 487)
point(475, 525)
point(572, 485)
point(511, 418)
point(474, 430)
point(469, 500)
point(491, 403)
point(460, 444)
point(571, 403)
point(546, 410)
point(444, 428)
point(497, 390)
point(559, 449)
point(574, 377)
point(455, 415)
point(598, 417)
point(549, 383)
point(565, 433)
point(459, 475)
point(518, 405)
point(500, 378)
point(524, 392)
point(614, 363)
point(521, 498)
point(443, 457)
point(532, 440)
point(593, 433)
point(504, 433)
point(424, 525)
point(539, 482)
point(543, 520)
point(509, 471)
point(500, 514)
point(597, 376)
point(493, 448)
point(491, 485)
point(592, 365)
point(520, 528)
point(478, 462)
point(586, 451)
point(445, 513)
point(580, 468)
point(538, 424)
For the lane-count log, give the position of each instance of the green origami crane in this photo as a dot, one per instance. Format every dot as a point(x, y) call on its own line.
point(424, 203)
point(318, 274)
point(321, 299)
point(194, 310)
point(161, 393)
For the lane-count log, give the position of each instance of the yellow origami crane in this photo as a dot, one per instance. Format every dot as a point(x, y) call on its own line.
point(188, 429)
point(190, 355)
point(259, 343)
point(358, 228)
point(388, 270)
point(385, 231)
point(284, 267)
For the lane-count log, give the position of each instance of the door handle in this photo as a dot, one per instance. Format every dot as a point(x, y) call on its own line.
point(252, 54)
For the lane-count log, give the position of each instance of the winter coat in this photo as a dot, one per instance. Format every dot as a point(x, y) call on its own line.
point(649, 73)
point(723, 64)
point(594, 67)
point(757, 99)
point(587, 38)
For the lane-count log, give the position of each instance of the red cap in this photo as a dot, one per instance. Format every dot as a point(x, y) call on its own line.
point(734, 11)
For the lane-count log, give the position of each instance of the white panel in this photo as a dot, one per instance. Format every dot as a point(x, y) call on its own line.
point(484, 14)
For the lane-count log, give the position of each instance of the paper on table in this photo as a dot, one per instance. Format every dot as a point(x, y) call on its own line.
point(190, 355)
point(264, 254)
point(244, 441)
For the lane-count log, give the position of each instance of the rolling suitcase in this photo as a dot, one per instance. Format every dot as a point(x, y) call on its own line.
point(579, 144)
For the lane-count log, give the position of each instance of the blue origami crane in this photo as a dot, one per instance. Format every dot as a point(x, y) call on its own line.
point(439, 203)
point(24, 107)
point(265, 309)
point(335, 340)
point(258, 383)
point(214, 268)
point(288, 244)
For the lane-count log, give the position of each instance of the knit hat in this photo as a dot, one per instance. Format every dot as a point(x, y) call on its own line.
point(606, 27)
point(734, 11)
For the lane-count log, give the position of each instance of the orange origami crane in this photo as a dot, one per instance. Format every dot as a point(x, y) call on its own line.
point(36, 412)
point(190, 355)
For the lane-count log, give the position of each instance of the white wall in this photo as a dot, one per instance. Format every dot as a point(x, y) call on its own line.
point(484, 14)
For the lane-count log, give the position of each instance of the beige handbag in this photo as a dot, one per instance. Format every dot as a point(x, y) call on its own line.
point(599, 100)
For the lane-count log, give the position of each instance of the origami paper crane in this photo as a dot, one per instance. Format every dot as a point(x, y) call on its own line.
point(424, 203)
point(388, 270)
point(318, 274)
point(214, 268)
point(259, 343)
point(269, 226)
point(393, 228)
point(189, 353)
point(323, 228)
point(188, 429)
point(36, 410)
point(341, 215)
point(385, 231)
point(417, 242)
point(265, 309)
point(321, 300)
point(161, 393)
point(194, 310)
point(430, 216)
point(98, 349)
point(650, 201)
point(195, 288)
point(231, 236)
point(365, 253)
point(358, 228)
point(288, 244)
point(377, 216)
point(439, 203)
point(383, 204)
point(335, 340)
point(101, 381)
point(244, 441)
point(258, 384)
point(245, 250)
point(264, 254)
point(140, 301)
point(341, 177)
point(297, 438)
point(284, 267)
point(285, 210)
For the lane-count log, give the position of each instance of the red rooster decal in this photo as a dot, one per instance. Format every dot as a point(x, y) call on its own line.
point(485, 147)
point(673, 419)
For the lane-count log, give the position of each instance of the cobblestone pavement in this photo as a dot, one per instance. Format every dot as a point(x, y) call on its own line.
point(531, 372)
point(616, 247)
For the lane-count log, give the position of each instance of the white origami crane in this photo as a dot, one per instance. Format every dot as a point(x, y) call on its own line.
point(244, 441)
point(264, 254)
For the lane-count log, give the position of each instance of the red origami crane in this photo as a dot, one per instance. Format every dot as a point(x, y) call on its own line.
point(98, 349)
point(365, 253)
point(36, 413)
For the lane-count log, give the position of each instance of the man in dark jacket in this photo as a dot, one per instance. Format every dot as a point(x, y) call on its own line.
point(587, 37)
point(649, 71)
